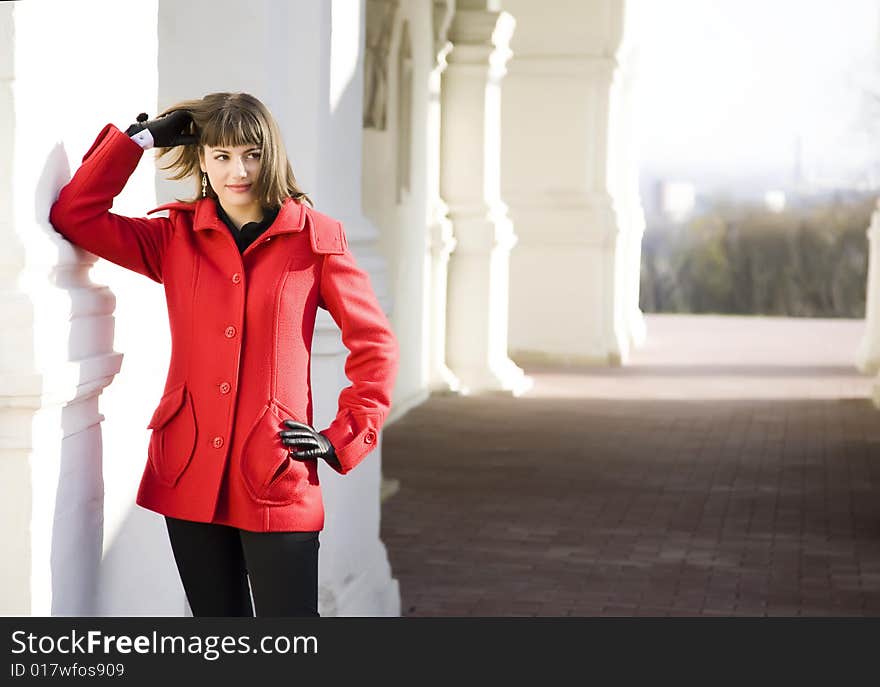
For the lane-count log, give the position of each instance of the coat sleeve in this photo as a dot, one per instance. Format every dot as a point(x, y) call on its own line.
point(371, 366)
point(82, 211)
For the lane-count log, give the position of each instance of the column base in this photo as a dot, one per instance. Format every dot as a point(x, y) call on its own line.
point(445, 382)
point(505, 377)
point(638, 331)
point(375, 593)
point(561, 360)
point(868, 356)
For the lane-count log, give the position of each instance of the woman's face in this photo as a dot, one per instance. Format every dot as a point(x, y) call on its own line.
point(233, 173)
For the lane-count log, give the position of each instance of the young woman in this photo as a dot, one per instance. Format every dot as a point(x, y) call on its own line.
point(232, 458)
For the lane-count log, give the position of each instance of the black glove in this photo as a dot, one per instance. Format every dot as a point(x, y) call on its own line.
point(168, 130)
point(307, 444)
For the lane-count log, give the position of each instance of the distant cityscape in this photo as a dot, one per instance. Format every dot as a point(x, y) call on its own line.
point(678, 197)
point(737, 109)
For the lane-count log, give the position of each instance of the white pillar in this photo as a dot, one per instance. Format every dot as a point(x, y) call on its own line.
point(623, 182)
point(355, 574)
point(56, 345)
point(405, 56)
point(470, 175)
point(570, 178)
point(868, 354)
point(441, 241)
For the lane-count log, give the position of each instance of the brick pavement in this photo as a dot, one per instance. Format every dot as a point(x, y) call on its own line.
point(731, 468)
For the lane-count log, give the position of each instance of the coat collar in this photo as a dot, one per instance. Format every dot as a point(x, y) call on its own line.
point(290, 219)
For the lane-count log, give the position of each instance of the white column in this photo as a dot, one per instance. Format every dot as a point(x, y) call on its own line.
point(400, 183)
point(470, 175)
point(56, 345)
point(868, 354)
point(570, 177)
point(623, 183)
point(441, 241)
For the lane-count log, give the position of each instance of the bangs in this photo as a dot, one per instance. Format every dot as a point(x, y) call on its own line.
point(232, 127)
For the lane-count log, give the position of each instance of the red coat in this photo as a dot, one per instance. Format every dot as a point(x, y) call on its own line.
point(241, 333)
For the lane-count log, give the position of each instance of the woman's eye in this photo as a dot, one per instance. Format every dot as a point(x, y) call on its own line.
point(222, 157)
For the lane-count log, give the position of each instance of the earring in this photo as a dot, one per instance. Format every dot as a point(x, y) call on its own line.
point(204, 184)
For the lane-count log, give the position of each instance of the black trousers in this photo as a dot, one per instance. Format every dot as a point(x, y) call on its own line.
point(216, 561)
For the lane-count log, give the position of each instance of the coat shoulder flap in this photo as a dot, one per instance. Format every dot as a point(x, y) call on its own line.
point(175, 205)
point(326, 233)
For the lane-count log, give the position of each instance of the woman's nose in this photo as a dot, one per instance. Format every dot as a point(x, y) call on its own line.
point(240, 169)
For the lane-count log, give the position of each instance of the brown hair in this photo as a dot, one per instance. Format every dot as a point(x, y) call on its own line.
point(234, 119)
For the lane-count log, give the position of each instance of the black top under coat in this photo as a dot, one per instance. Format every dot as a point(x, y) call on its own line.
point(250, 231)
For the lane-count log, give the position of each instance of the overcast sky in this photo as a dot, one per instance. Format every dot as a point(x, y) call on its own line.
point(727, 86)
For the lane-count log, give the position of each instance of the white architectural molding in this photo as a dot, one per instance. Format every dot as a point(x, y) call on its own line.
point(623, 174)
point(393, 197)
point(441, 244)
point(354, 572)
point(57, 353)
point(868, 354)
point(442, 12)
point(570, 179)
point(470, 175)
point(379, 20)
point(440, 241)
point(416, 234)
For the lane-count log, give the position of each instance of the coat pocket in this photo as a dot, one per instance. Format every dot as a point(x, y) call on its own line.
point(174, 435)
point(271, 476)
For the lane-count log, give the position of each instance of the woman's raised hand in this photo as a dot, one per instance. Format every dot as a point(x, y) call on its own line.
point(168, 130)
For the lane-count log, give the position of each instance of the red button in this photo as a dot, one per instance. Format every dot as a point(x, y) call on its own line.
point(370, 437)
point(236, 278)
point(218, 442)
point(225, 387)
point(230, 332)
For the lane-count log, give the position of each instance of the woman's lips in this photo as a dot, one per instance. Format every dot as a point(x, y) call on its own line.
point(239, 189)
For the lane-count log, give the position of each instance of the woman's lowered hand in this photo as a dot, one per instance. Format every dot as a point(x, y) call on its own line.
point(168, 130)
point(305, 443)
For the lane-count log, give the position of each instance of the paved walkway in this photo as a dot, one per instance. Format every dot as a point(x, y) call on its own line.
point(731, 468)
